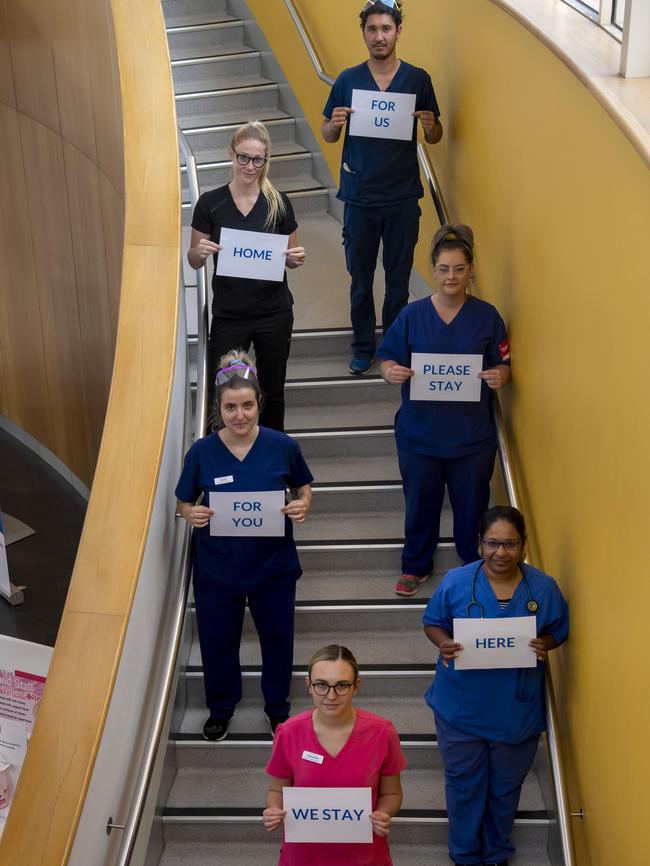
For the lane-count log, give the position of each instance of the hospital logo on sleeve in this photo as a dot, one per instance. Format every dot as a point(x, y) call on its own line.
point(504, 350)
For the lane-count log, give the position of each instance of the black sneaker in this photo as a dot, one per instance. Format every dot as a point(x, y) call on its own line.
point(274, 721)
point(215, 729)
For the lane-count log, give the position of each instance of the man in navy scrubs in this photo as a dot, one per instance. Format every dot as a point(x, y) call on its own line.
point(380, 177)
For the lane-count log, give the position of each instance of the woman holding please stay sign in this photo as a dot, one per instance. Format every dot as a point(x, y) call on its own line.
point(246, 311)
point(488, 722)
point(230, 571)
point(336, 745)
point(442, 443)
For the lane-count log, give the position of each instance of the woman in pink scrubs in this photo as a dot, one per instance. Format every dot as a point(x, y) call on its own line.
point(336, 745)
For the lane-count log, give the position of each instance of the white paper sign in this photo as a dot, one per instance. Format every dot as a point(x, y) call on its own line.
point(446, 377)
point(13, 742)
point(327, 814)
point(247, 513)
point(495, 643)
point(252, 255)
point(382, 115)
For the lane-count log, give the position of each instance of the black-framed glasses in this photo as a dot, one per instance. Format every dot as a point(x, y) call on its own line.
point(495, 544)
point(322, 688)
point(244, 159)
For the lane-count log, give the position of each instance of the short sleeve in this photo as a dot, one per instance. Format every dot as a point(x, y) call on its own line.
point(394, 762)
point(499, 350)
point(557, 615)
point(288, 222)
point(395, 345)
point(188, 489)
point(335, 99)
point(201, 217)
point(299, 472)
point(278, 765)
point(438, 610)
point(427, 97)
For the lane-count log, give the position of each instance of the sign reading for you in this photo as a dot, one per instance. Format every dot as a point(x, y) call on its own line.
point(247, 513)
point(376, 114)
point(446, 377)
point(252, 255)
point(495, 643)
point(327, 814)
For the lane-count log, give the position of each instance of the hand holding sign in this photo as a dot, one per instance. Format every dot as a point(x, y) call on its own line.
point(272, 818)
point(494, 378)
point(206, 248)
point(427, 121)
point(339, 117)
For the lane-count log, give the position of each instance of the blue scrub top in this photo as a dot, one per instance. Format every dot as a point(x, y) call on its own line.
point(504, 705)
point(380, 171)
point(274, 462)
point(438, 428)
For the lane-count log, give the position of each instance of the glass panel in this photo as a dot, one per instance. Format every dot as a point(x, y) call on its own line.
point(618, 13)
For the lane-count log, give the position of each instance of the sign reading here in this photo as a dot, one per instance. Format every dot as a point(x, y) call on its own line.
point(247, 513)
point(327, 814)
point(495, 643)
point(446, 377)
point(376, 114)
point(252, 255)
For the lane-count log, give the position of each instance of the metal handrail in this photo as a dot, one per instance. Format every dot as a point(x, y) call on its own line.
point(555, 757)
point(200, 416)
point(138, 802)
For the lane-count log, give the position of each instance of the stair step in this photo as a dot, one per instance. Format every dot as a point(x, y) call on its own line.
point(364, 402)
point(199, 110)
point(364, 457)
point(185, 13)
point(216, 37)
point(238, 69)
point(211, 145)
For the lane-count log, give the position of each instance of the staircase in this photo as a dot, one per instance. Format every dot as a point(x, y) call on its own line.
point(350, 547)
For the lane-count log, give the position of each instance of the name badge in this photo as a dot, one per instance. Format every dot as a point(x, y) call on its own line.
point(313, 757)
point(225, 479)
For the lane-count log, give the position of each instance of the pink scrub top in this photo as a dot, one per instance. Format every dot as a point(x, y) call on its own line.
point(371, 751)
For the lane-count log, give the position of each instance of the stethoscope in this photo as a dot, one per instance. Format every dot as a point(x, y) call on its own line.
point(531, 604)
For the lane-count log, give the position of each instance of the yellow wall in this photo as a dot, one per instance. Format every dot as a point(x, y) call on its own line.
point(560, 202)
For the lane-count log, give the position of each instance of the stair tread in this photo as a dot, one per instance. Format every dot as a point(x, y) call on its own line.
point(192, 20)
point(236, 46)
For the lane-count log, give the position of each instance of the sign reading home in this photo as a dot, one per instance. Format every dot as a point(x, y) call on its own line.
point(247, 513)
point(501, 642)
point(376, 114)
point(446, 377)
point(252, 255)
point(327, 814)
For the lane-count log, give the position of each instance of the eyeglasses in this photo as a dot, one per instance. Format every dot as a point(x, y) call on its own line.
point(394, 4)
point(493, 544)
point(458, 270)
point(244, 159)
point(236, 369)
point(322, 688)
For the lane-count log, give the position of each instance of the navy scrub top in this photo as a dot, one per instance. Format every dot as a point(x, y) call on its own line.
point(274, 462)
point(380, 171)
point(438, 428)
point(505, 705)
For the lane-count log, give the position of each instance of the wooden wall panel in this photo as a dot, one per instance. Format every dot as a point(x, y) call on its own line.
point(59, 71)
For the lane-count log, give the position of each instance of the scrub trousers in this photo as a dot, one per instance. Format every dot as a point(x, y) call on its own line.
point(483, 782)
point(424, 479)
point(396, 226)
point(271, 339)
point(220, 617)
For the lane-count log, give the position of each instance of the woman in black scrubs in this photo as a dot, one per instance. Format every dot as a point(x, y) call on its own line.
point(246, 311)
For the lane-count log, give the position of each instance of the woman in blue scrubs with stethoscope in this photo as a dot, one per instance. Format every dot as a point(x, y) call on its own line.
point(488, 721)
point(444, 443)
point(233, 571)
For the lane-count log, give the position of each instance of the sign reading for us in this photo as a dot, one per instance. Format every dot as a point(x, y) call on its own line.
point(247, 513)
point(500, 642)
point(252, 255)
point(327, 814)
point(376, 114)
point(446, 377)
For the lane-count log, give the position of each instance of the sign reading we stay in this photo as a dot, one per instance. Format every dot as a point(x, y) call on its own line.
point(446, 377)
point(247, 513)
point(376, 114)
point(327, 814)
point(252, 255)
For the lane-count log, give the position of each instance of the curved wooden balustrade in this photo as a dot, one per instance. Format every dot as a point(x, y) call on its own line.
point(56, 774)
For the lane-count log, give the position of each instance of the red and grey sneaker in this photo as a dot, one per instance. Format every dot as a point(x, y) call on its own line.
point(408, 584)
